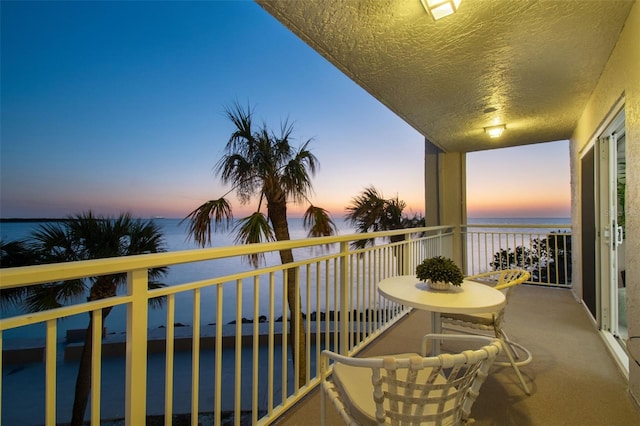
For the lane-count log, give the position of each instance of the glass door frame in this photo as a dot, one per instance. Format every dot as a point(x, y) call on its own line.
point(609, 235)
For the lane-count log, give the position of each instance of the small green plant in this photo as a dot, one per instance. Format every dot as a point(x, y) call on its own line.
point(440, 269)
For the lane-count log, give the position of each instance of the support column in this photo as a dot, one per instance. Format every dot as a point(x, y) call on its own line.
point(446, 193)
point(431, 184)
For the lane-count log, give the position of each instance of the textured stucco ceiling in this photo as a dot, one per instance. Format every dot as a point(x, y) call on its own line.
point(528, 64)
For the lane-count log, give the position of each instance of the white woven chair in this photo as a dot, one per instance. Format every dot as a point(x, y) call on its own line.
point(407, 388)
point(504, 280)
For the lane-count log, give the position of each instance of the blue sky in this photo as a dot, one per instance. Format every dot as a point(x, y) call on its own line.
point(118, 106)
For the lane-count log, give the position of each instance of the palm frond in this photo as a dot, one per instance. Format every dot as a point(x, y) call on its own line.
point(53, 243)
point(13, 297)
point(200, 220)
point(268, 155)
point(361, 244)
point(156, 302)
point(366, 211)
point(254, 229)
point(42, 297)
point(83, 237)
point(158, 273)
point(45, 300)
point(318, 221)
point(371, 212)
point(296, 178)
point(13, 254)
point(305, 156)
point(242, 120)
point(16, 253)
point(281, 148)
point(392, 216)
point(415, 221)
point(91, 237)
point(236, 169)
point(70, 290)
point(145, 237)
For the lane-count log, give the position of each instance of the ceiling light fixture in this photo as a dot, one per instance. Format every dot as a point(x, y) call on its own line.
point(495, 131)
point(440, 8)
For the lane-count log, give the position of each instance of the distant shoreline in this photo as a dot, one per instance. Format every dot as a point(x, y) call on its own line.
point(53, 219)
point(41, 219)
point(470, 220)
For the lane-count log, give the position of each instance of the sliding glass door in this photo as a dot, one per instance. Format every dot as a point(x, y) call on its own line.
point(610, 247)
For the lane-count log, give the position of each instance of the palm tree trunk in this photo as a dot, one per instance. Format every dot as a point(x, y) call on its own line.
point(278, 217)
point(83, 380)
point(296, 321)
point(398, 254)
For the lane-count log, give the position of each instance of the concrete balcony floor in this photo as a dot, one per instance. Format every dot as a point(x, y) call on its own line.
point(573, 378)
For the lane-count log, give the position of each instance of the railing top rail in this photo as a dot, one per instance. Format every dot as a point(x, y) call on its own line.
point(37, 274)
point(518, 226)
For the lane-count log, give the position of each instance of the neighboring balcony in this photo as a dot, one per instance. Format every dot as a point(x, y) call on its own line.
point(242, 368)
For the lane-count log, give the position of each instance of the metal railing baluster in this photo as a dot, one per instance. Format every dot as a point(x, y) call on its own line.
point(345, 289)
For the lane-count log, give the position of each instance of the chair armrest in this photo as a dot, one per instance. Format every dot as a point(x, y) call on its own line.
point(485, 340)
point(503, 278)
point(482, 275)
point(513, 278)
point(327, 355)
point(368, 362)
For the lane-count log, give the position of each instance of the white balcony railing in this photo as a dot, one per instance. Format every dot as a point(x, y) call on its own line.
point(240, 366)
point(238, 369)
point(543, 250)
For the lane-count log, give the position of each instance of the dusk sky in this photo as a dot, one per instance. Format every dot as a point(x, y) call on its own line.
point(118, 106)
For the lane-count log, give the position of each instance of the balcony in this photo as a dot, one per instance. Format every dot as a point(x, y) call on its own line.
point(573, 378)
point(241, 368)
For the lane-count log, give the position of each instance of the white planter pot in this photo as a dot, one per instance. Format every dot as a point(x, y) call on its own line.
point(439, 285)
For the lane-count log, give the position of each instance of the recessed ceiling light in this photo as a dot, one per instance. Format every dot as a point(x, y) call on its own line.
point(495, 131)
point(440, 8)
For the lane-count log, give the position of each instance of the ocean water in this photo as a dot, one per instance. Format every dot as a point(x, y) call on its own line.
point(176, 239)
point(519, 220)
point(23, 401)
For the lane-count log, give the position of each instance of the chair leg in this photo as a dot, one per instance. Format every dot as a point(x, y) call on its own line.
point(507, 350)
point(520, 348)
point(323, 406)
point(514, 346)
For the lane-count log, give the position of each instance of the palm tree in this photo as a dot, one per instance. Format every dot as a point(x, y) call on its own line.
point(84, 237)
point(259, 163)
point(13, 254)
point(371, 212)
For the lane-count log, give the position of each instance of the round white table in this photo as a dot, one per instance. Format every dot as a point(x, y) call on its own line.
point(470, 298)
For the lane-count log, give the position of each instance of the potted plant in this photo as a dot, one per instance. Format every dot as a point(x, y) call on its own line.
point(440, 272)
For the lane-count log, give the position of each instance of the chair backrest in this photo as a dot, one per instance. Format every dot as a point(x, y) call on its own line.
point(416, 390)
point(504, 279)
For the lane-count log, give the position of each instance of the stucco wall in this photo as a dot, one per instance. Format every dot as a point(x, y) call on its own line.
point(621, 78)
